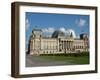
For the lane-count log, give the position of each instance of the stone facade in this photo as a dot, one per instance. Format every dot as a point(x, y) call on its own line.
point(56, 44)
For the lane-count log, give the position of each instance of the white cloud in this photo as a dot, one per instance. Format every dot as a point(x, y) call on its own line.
point(81, 22)
point(27, 24)
point(78, 37)
point(69, 32)
point(62, 29)
point(48, 30)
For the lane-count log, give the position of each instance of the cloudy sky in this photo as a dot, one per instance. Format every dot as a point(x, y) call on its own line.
point(48, 23)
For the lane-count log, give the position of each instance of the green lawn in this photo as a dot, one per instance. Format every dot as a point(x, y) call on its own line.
point(82, 58)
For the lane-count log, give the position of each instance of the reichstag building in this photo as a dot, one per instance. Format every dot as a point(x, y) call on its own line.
point(58, 43)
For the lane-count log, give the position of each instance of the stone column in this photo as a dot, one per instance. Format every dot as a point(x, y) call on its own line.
point(34, 44)
point(63, 45)
point(31, 46)
point(67, 45)
point(58, 44)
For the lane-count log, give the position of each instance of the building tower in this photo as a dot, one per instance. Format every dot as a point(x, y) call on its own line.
point(86, 41)
point(35, 42)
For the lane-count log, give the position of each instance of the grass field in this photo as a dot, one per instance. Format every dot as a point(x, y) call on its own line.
point(76, 58)
point(57, 59)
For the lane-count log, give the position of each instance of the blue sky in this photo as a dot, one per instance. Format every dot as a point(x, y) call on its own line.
point(51, 22)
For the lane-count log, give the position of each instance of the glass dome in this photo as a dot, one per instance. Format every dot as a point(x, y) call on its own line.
point(58, 34)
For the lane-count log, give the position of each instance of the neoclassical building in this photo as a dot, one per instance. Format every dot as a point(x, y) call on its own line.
point(58, 43)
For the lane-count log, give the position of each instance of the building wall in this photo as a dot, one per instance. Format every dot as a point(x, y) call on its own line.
point(79, 45)
point(39, 45)
point(48, 45)
point(52, 46)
